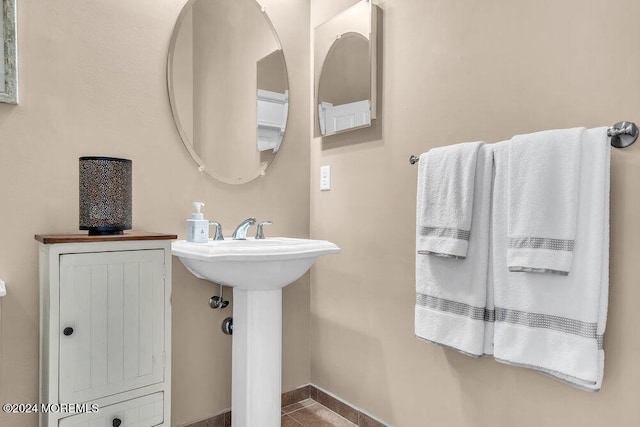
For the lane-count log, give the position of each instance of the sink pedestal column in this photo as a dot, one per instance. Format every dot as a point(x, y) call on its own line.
point(256, 358)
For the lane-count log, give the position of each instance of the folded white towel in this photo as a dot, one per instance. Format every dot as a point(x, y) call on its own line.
point(552, 323)
point(446, 208)
point(450, 293)
point(543, 200)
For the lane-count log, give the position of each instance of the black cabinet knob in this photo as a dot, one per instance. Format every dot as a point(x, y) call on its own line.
point(116, 422)
point(67, 331)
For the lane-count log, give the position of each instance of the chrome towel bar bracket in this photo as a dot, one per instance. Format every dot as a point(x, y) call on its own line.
point(622, 134)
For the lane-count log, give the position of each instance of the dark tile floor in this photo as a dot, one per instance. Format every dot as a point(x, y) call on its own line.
point(307, 406)
point(309, 413)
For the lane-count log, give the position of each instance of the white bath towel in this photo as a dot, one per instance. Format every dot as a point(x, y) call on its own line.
point(555, 324)
point(450, 293)
point(542, 185)
point(446, 210)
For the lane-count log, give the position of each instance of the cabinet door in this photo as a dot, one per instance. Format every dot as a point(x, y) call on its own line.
point(114, 303)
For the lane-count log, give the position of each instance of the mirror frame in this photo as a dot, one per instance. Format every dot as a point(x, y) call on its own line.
point(9, 53)
point(373, 60)
point(172, 102)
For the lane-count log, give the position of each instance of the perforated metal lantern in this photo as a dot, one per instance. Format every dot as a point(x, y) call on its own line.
point(105, 195)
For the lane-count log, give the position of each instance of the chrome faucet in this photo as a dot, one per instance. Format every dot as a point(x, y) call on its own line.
point(241, 231)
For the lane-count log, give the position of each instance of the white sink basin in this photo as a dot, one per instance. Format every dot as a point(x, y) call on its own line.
point(252, 264)
point(257, 270)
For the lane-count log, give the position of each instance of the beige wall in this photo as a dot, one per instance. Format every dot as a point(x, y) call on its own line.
point(92, 82)
point(457, 71)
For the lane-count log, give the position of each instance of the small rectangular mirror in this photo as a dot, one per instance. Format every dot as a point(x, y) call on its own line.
point(8, 60)
point(345, 50)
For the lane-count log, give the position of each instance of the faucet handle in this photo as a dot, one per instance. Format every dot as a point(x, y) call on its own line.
point(218, 235)
point(260, 234)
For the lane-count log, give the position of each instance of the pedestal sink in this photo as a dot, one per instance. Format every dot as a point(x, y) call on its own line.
point(257, 269)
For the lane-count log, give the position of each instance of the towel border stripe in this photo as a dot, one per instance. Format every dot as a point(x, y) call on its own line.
point(541, 243)
point(517, 317)
point(448, 306)
point(452, 233)
point(440, 254)
point(521, 269)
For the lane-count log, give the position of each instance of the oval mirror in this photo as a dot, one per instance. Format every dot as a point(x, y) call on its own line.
point(228, 87)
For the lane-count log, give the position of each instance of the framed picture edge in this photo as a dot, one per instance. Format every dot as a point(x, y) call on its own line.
point(9, 53)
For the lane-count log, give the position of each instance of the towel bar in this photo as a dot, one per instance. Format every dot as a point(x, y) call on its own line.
point(622, 134)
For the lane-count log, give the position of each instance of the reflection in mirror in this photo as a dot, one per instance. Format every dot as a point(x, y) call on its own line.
point(345, 70)
point(344, 89)
point(8, 55)
point(228, 87)
point(273, 101)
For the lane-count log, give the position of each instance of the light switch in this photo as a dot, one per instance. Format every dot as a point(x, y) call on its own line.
point(325, 178)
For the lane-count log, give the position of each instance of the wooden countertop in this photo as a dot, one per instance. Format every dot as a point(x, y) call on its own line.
point(86, 238)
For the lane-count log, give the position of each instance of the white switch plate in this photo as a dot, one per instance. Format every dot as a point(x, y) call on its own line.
point(325, 178)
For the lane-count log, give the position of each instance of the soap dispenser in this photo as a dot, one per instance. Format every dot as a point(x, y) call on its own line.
point(197, 226)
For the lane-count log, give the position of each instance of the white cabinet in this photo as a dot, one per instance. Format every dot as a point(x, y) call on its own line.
point(105, 330)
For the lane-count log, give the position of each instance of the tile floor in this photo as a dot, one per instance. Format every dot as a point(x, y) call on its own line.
point(306, 406)
point(309, 413)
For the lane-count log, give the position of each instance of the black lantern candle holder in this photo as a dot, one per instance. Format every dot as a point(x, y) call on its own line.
point(105, 195)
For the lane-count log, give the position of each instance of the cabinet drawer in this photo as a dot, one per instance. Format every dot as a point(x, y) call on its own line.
point(146, 411)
